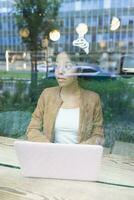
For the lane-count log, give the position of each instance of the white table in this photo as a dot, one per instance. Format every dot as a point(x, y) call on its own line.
point(116, 180)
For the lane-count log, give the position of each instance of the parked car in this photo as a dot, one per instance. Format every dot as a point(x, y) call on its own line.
point(95, 72)
point(127, 65)
point(89, 71)
point(42, 67)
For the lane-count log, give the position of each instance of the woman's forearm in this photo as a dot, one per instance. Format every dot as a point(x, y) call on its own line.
point(36, 136)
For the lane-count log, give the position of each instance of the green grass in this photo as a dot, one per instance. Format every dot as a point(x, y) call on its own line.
point(19, 75)
point(27, 75)
point(128, 79)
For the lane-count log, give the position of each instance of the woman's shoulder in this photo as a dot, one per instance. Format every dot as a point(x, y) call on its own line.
point(90, 94)
point(51, 90)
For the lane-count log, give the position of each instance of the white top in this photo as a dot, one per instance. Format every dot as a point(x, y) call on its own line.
point(67, 126)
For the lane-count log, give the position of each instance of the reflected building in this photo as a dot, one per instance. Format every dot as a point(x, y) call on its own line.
point(97, 14)
point(9, 37)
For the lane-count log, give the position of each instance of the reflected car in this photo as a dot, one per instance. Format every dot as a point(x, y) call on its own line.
point(95, 72)
point(88, 71)
point(42, 67)
point(127, 65)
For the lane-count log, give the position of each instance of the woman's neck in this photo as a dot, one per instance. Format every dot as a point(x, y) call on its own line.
point(72, 89)
point(70, 96)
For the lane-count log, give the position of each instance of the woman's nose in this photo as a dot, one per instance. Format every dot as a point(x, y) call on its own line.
point(58, 71)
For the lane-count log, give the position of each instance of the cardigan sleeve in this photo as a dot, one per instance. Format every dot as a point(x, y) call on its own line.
point(97, 135)
point(34, 131)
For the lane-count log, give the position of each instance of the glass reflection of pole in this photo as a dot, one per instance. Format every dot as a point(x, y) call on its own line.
point(24, 33)
point(7, 60)
point(45, 43)
point(54, 35)
point(46, 54)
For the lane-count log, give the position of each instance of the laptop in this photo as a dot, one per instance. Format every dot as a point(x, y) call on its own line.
point(59, 161)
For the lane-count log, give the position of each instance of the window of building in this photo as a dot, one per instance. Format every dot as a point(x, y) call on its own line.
point(131, 22)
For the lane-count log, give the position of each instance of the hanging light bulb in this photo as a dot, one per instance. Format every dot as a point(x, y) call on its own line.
point(115, 24)
point(82, 29)
point(24, 32)
point(102, 44)
point(54, 35)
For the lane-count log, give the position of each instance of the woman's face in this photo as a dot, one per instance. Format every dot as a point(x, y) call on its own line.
point(64, 70)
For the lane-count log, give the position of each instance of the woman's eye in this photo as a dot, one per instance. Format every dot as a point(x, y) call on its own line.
point(55, 68)
point(68, 67)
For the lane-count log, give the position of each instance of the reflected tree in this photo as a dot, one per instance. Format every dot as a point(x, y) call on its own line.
point(35, 19)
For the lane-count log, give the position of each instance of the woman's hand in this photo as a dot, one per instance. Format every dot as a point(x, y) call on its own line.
point(96, 140)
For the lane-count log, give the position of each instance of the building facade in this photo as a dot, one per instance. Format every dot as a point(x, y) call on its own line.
point(97, 14)
point(9, 36)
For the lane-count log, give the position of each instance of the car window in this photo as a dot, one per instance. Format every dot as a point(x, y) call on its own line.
point(128, 62)
point(89, 70)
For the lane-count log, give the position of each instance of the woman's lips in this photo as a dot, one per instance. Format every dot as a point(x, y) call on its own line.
point(61, 79)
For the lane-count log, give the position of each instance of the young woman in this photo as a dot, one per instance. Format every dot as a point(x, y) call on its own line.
point(67, 113)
